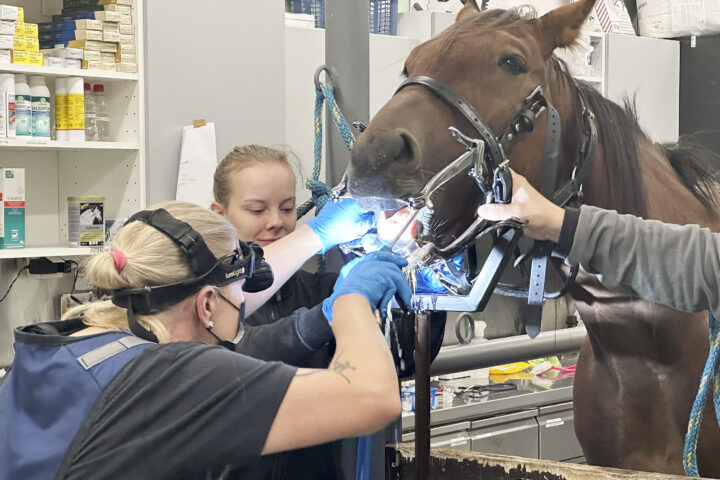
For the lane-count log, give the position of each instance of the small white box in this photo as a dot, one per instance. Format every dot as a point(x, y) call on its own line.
point(127, 67)
point(126, 19)
point(109, 47)
point(126, 47)
point(55, 62)
point(5, 56)
point(110, 36)
point(127, 39)
point(96, 35)
point(6, 42)
point(73, 63)
point(111, 27)
point(7, 27)
point(9, 12)
point(93, 56)
point(126, 29)
point(108, 16)
point(88, 24)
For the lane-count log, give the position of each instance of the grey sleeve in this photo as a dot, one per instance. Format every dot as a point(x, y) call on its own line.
point(673, 265)
point(290, 339)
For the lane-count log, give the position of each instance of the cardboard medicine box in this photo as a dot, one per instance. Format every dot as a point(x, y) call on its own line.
point(12, 195)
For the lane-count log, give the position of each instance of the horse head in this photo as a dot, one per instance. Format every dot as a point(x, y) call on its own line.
point(494, 60)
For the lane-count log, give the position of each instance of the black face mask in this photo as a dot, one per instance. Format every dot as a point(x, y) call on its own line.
point(230, 345)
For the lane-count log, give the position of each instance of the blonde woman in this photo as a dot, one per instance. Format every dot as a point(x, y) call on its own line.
point(254, 187)
point(86, 399)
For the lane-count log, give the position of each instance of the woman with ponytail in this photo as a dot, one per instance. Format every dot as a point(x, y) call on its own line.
point(140, 386)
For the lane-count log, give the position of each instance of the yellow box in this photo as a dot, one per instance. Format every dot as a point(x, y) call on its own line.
point(115, 2)
point(26, 44)
point(21, 16)
point(22, 57)
point(91, 65)
point(23, 29)
point(85, 44)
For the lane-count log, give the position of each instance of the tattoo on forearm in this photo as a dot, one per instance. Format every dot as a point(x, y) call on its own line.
point(339, 367)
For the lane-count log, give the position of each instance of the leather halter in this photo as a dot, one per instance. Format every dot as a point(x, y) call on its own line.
point(495, 158)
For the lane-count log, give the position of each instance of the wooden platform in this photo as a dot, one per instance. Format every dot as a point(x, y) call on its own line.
point(453, 464)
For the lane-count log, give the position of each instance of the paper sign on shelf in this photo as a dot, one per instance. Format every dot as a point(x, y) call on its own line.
point(198, 159)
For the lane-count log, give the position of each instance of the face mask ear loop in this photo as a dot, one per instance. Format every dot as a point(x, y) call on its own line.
point(135, 327)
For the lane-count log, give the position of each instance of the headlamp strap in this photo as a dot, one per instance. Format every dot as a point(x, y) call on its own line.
point(183, 235)
point(135, 327)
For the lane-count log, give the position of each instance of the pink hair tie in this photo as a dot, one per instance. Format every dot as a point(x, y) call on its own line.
point(118, 258)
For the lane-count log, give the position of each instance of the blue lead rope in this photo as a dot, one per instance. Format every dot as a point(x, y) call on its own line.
point(711, 373)
point(321, 192)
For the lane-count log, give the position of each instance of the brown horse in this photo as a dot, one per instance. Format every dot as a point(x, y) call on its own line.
point(639, 368)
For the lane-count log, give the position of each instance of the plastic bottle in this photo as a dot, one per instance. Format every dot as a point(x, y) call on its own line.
point(61, 127)
point(102, 119)
point(76, 109)
point(91, 133)
point(40, 107)
point(7, 105)
point(23, 106)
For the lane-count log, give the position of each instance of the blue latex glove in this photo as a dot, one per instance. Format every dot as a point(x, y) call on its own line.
point(341, 222)
point(427, 278)
point(377, 277)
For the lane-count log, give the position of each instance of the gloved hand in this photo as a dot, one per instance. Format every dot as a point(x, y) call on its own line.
point(341, 222)
point(377, 277)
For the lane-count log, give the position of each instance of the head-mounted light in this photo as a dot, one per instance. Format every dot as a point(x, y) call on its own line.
point(245, 262)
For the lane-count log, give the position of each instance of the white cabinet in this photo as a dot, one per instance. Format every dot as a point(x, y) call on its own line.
point(644, 70)
point(55, 170)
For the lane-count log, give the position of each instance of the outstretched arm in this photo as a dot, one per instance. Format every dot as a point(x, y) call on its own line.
point(674, 265)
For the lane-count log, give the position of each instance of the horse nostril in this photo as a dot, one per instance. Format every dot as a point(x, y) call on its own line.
point(407, 154)
point(392, 147)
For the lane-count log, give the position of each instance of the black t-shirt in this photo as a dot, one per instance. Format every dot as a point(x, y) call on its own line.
point(180, 410)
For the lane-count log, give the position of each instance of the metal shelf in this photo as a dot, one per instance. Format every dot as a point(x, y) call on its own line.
point(49, 251)
point(55, 145)
point(107, 76)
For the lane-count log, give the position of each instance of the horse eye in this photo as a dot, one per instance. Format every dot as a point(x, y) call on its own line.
point(514, 64)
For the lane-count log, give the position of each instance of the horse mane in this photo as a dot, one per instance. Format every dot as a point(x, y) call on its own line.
point(618, 133)
point(697, 166)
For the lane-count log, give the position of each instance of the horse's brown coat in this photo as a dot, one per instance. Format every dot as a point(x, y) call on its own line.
point(639, 368)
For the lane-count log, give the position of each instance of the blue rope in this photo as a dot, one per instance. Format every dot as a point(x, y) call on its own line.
point(711, 373)
point(320, 192)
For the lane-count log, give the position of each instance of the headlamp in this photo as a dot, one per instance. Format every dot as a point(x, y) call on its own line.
point(244, 262)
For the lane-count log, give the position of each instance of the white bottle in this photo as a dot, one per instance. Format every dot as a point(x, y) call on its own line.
point(91, 133)
point(7, 105)
point(102, 118)
point(76, 109)
point(61, 127)
point(40, 107)
point(23, 106)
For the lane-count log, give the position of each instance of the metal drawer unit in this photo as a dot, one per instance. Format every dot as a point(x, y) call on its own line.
point(557, 433)
point(448, 436)
point(514, 434)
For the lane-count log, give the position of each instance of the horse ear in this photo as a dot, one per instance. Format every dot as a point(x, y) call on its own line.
point(561, 27)
point(469, 10)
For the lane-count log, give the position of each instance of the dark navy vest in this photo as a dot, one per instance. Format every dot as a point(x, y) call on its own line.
point(48, 393)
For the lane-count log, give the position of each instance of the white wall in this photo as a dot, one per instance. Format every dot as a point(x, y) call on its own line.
point(221, 61)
